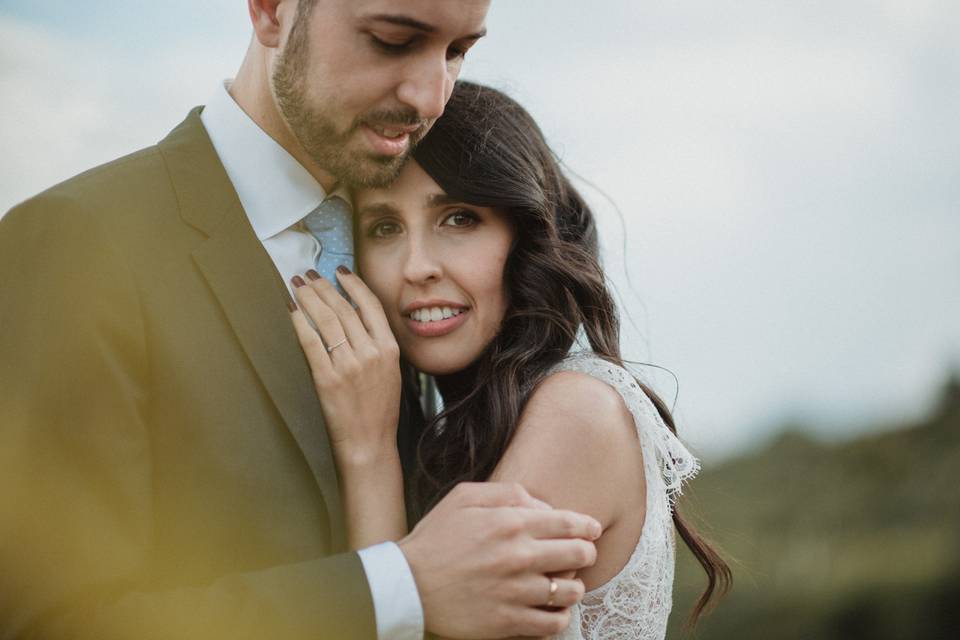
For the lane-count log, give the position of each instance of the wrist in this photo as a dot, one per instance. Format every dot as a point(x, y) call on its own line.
point(356, 459)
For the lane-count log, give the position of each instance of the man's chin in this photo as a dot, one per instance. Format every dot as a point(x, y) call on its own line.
point(372, 171)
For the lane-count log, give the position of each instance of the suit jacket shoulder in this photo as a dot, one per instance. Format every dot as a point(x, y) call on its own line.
point(140, 202)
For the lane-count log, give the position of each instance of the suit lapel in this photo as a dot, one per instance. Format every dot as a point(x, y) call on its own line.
point(253, 297)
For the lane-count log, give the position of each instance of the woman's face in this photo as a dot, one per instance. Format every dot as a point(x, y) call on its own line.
point(437, 267)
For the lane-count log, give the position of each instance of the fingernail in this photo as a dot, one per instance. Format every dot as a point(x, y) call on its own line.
point(540, 504)
point(596, 530)
point(343, 270)
point(313, 275)
point(297, 281)
point(291, 305)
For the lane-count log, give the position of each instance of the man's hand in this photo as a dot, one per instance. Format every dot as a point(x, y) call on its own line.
point(480, 560)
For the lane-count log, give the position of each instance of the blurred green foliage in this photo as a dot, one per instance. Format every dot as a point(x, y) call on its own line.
point(859, 540)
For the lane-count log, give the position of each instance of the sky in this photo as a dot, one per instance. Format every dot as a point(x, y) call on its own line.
point(776, 182)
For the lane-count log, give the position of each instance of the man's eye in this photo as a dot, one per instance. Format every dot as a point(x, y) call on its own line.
point(392, 48)
point(456, 53)
point(461, 219)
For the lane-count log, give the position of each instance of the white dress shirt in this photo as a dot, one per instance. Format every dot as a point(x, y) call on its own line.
point(277, 192)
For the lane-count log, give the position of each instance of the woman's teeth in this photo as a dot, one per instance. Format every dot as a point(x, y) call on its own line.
point(434, 314)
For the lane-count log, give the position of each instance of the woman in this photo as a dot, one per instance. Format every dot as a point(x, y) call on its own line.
point(482, 267)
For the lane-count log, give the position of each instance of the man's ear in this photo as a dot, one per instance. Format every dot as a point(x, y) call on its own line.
point(265, 16)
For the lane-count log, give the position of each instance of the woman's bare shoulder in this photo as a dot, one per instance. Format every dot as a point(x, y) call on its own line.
point(575, 442)
point(583, 405)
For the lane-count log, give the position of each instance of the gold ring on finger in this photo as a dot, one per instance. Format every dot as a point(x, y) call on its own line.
point(553, 591)
point(339, 344)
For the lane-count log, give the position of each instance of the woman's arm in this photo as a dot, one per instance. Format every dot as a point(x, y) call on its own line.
point(576, 447)
point(373, 500)
point(355, 363)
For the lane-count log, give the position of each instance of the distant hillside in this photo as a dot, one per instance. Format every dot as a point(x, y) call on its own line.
point(849, 541)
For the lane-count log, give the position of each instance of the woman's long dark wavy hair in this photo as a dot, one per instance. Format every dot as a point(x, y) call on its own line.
point(487, 151)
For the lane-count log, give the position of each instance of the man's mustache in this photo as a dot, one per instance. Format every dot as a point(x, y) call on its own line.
point(395, 117)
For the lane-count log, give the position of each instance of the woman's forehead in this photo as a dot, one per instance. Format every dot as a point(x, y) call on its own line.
point(412, 188)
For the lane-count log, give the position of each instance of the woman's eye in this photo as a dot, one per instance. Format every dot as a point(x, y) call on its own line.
point(461, 219)
point(383, 229)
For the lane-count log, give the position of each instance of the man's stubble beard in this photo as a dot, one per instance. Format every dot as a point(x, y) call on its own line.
point(315, 130)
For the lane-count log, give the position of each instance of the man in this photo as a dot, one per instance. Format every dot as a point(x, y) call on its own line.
point(164, 467)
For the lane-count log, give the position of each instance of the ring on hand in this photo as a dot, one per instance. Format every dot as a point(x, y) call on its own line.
point(553, 591)
point(339, 344)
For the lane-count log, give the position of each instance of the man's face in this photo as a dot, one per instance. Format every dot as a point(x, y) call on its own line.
point(359, 82)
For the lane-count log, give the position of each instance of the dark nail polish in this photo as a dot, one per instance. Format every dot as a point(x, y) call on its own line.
point(313, 275)
point(297, 281)
point(291, 305)
point(343, 270)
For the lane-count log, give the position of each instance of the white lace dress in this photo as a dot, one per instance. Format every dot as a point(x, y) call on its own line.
point(635, 603)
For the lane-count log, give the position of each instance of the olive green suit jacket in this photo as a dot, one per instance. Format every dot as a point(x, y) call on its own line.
point(164, 468)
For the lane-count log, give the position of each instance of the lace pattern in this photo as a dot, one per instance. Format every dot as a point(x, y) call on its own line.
point(635, 603)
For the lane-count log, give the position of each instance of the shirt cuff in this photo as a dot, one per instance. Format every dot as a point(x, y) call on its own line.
point(396, 601)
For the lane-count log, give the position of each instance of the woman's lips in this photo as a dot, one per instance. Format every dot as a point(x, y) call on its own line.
point(438, 327)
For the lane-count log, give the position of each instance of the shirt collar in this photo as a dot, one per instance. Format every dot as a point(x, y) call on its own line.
point(275, 190)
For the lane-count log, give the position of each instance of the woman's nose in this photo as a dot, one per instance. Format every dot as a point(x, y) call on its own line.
point(423, 263)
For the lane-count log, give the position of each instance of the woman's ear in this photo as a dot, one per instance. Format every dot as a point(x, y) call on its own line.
point(265, 16)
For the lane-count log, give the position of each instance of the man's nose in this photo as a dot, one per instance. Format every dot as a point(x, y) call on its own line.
point(427, 86)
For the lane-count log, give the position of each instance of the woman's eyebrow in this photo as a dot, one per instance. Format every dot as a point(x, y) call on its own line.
point(377, 209)
point(439, 200)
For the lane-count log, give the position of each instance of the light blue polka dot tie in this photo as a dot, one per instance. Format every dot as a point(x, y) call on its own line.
point(331, 224)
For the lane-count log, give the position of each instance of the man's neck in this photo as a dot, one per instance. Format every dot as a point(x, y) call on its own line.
point(251, 91)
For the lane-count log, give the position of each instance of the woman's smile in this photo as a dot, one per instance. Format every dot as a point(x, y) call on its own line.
point(435, 318)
